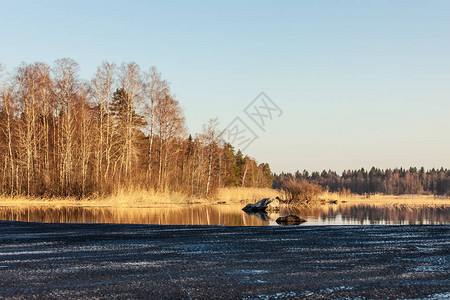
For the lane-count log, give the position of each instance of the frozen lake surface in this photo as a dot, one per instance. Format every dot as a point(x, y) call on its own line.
point(49, 261)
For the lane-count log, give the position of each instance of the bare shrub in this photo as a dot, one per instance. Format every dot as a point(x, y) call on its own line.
point(301, 192)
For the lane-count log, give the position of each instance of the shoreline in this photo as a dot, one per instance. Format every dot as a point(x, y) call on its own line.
point(231, 197)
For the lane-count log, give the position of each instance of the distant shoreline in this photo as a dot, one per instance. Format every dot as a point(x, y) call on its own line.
point(226, 196)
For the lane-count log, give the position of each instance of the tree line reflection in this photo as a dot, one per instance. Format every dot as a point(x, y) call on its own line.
point(229, 215)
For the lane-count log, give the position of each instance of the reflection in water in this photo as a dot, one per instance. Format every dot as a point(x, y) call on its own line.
point(229, 215)
point(189, 215)
point(375, 215)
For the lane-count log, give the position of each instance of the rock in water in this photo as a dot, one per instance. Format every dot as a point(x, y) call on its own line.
point(266, 204)
point(290, 220)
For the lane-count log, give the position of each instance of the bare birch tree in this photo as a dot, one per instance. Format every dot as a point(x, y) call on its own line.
point(27, 80)
point(131, 80)
point(86, 134)
point(66, 84)
point(211, 136)
point(170, 124)
point(45, 105)
point(155, 91)
point(103, 87)
point(8, 109)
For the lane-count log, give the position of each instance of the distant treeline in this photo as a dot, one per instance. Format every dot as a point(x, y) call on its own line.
point(389, 181)
point(122, 129)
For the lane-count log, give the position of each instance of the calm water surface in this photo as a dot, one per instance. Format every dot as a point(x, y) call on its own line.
point(230, 215)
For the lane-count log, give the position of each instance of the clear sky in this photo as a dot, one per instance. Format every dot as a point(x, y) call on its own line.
point(360, 83)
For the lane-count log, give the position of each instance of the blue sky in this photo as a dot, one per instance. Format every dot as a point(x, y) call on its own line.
point(361, 83)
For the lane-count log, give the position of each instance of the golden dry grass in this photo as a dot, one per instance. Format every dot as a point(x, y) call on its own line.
point(239, 195)
point(144, 198)
point(379, 199)
point(141, 198)
point(229, 196)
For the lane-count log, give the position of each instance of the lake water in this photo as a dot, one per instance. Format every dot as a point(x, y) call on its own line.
point(230, 215)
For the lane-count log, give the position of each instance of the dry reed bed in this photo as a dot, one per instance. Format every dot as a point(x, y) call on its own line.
point(390, 200)
point(145, 198)
point(228, 196)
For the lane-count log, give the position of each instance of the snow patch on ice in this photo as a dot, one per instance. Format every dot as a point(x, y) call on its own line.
point(248, 272)
point(27, 252)
point(271, 296)
point(336, 289)
point(427, 269)
point(444, 295)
